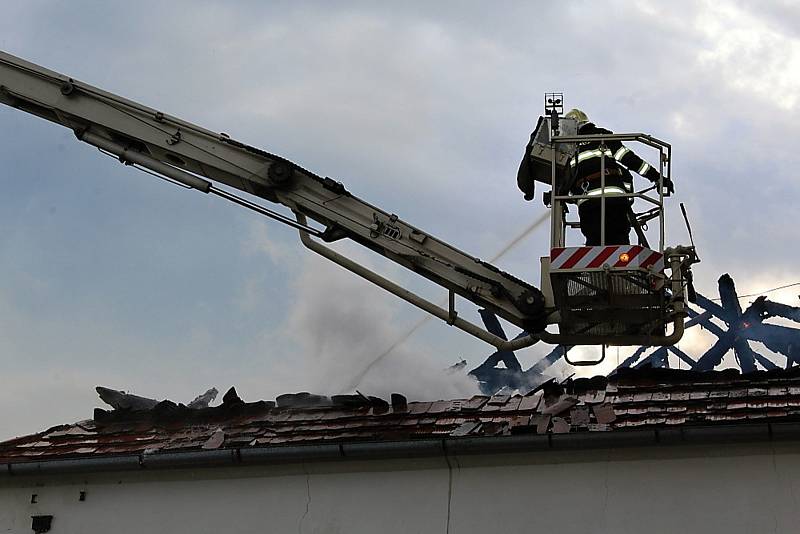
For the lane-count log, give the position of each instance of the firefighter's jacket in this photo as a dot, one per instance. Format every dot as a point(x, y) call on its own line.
point(584, 166)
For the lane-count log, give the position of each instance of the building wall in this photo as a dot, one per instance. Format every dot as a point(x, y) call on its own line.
point(726, 489)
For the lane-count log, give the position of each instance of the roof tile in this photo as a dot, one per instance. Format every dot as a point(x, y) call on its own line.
point(560, 425)
point(542, 423)
point(604, 413)
point(513, 404)
point(579, 416)
point(530, 402)
point(562, 404)
point(520, 420)
point(475, 403)
point(465, 428)
point(593, 396)
point(440, 407)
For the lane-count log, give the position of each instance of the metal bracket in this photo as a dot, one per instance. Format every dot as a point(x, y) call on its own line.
point(452, 307)
point(175, 139)
point(585, 363)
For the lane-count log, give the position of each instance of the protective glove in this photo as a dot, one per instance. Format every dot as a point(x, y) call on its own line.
point(669, 186)
point(525, 180)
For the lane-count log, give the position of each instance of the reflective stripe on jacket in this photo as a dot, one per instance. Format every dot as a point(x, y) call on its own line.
point(610, 191)
point(618, 158)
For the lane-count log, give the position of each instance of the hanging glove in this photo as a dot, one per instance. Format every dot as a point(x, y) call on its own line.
point(525, 181)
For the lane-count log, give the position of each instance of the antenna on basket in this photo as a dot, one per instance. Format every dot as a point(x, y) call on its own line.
point(554, 108)
point(688, 228)
point(687, 273)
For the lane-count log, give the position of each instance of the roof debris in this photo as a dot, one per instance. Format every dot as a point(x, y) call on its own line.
point(119, 400)
point(202, 401)
point(641, 398)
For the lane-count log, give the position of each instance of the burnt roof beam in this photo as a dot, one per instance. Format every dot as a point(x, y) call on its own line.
point(729, 299)
point(745, 355)
point(714, 355)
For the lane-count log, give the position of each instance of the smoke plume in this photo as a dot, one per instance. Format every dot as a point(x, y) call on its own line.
point(341, 323)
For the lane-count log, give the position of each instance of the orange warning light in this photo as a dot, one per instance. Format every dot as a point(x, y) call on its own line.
point(624, 257)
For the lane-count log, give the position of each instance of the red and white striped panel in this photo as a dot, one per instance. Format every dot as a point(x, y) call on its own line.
point(583, 258)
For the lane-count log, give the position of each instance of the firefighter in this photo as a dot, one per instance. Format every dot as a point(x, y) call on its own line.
point(584, 172)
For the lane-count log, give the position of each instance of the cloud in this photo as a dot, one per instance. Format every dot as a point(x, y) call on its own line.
point(751, 54)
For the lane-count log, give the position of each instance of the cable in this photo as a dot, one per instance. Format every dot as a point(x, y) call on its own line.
point(763, 292)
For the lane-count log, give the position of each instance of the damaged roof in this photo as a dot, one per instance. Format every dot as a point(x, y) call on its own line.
point(631, 399)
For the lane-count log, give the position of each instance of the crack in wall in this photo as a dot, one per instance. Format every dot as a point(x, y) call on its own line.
point(308, 500)
point(777, 480)
point(449, 491)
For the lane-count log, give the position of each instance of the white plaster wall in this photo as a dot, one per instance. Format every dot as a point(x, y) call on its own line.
point(726, 489)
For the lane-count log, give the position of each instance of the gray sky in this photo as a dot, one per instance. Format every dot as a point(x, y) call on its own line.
point(110, 277)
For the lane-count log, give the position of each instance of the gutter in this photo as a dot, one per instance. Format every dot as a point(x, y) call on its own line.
point(690, 435)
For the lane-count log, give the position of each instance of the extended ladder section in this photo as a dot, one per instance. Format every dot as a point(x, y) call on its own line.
point(195, 157)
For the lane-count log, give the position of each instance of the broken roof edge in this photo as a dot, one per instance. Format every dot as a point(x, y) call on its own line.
point(447, 447)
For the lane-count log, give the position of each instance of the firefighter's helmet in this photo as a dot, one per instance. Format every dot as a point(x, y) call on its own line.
point(578, 115)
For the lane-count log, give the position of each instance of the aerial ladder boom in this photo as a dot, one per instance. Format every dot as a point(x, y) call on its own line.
point(197, 158)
